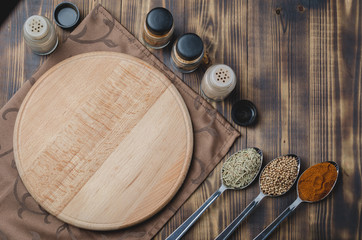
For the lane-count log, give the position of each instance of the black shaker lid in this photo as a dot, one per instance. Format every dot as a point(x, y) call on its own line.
point(243, 113)
point(189, 46)
point(159, 21)
point(66, 15)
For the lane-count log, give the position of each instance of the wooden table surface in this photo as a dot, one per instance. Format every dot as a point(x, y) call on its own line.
point(298, 61)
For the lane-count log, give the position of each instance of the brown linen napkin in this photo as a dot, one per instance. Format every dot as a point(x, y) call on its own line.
point(22, 218)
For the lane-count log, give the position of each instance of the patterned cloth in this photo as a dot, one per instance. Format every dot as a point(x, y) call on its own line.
point(22, 218)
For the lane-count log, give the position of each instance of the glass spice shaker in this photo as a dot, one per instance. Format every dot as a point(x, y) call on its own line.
point(187, 53)
point(39, 35)
point(158, 28)
point(218, 82)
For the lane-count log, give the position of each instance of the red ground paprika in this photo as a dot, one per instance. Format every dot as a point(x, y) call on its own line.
point(317, 181)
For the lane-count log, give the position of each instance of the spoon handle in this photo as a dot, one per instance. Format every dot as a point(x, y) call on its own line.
point(267, 231)
point(182, 229)
point(233, 226)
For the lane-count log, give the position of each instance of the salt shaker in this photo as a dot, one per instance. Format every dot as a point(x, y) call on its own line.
point(218, 82)
point(158, 28)
point(39, 35)
point(187, 53)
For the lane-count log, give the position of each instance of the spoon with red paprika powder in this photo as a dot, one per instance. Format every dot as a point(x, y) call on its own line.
point(313, 185)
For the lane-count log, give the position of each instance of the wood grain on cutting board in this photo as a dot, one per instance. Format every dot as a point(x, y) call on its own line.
point(103, 140)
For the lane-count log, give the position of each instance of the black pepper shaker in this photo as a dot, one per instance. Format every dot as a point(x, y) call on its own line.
point(158, 28)
point(187, 53)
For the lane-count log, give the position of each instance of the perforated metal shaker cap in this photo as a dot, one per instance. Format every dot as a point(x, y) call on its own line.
point(36, 27)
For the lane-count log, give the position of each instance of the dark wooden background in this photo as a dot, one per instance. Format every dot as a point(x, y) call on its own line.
point(298, 61)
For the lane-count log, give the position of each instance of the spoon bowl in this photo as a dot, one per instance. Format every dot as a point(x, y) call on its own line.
point(268, 230)
point(226, 233)
point(337, 169)
point(185, 226)
point(256, 174)
point(295, 180)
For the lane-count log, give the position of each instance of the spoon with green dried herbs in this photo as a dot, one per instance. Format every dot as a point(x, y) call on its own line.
point(238, 172)
point(313, 185)
point(277, 177)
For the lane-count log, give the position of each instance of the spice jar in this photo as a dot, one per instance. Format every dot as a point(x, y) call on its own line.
point(158, 28)
point(218, 82)
point(39, 35)
point(187, 53)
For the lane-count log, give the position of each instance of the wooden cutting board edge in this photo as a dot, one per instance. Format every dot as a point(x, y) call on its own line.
point(189, 150)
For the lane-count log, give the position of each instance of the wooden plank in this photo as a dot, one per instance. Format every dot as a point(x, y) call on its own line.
point(335, 110)
point(276, 69)
point(12, 52)
point(219, 24)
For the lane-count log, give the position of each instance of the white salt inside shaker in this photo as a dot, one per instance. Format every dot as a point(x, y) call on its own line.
point(39, 35)
point(218, 82)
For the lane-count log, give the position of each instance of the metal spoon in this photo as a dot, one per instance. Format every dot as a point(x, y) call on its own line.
point(236, 222)
point(184, 227)
point(267, 231)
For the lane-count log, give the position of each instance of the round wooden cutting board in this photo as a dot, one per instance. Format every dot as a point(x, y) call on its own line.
point(103, 141)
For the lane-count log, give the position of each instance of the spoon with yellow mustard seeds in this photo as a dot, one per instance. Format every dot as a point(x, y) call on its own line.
point(276, 178)
point(314, 185)
point(238, 172)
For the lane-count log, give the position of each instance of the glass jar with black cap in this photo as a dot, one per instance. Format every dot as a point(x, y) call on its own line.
point(187, 53)
point(158, 28)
